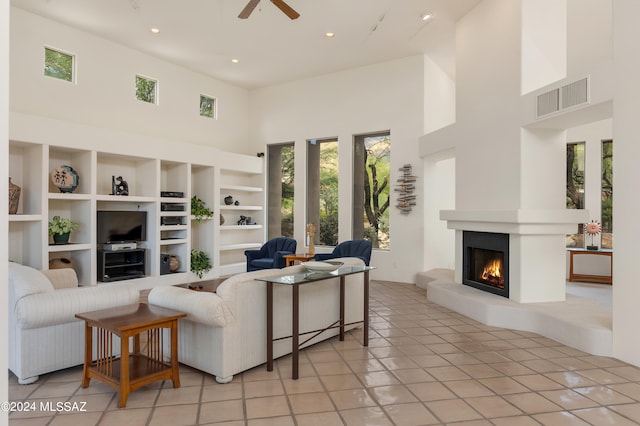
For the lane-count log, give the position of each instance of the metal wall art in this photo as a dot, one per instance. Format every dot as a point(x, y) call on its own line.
point(405, 187)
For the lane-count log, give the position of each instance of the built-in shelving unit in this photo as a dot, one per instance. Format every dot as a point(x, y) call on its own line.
point(247, 192)
point(171, 229)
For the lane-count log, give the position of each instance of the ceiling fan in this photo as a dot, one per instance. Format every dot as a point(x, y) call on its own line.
point(284, 7)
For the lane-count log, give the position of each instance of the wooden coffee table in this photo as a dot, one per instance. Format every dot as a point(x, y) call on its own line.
point(130, 371)
point(300, 257)
point(209, 286)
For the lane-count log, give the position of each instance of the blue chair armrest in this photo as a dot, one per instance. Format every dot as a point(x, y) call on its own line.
point(252, 254)
point(278, 258)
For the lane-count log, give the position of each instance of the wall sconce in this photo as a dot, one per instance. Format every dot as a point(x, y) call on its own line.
point(405, 187)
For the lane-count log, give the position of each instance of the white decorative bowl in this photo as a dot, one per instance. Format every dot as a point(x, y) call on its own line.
point(322, 266)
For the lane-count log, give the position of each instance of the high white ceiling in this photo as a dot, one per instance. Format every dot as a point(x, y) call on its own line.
point(204, 35)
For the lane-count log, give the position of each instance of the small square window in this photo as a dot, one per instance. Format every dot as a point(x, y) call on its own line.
point(146, 89)
point(58, 64)
point(207, 106)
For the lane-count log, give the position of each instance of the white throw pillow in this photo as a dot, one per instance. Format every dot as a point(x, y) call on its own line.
point(26, 280)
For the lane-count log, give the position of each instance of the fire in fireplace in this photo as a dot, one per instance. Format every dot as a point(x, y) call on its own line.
point(486, 261)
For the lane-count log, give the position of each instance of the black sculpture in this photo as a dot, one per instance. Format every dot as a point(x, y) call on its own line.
point(119, 186)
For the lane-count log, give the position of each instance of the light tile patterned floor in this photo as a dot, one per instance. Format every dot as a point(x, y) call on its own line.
point(425, 365)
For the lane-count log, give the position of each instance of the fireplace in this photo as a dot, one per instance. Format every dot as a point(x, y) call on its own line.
point(485, 261)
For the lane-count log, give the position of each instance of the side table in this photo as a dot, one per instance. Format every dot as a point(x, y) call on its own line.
point(302, 257)
point(133, 370)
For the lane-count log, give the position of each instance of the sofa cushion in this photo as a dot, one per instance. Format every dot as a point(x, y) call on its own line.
point(203, 307)
point(25, 280)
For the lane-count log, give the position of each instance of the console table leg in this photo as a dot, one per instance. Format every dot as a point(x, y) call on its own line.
point(365, 327)
point(295, 338)
point(342, 278)
point(269, 326)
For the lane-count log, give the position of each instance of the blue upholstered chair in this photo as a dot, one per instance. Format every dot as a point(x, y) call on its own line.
point(271, 254)
point(351, 248)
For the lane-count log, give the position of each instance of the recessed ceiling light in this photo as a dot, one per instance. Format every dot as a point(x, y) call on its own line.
point(235, 61)
point(329, 35)
point(154, 30)
point(426, 16)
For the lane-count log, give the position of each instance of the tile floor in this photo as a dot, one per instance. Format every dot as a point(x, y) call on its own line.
point(425, 365)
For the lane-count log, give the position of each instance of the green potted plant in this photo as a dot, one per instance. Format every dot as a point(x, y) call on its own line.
point(200, 262)
point(60, 228)
point(200, 210)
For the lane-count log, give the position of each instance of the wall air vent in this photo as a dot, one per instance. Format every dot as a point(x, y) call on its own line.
point(548, 102)
point(574, 93)
point(567, 96)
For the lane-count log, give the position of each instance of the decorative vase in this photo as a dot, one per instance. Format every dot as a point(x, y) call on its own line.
point(65, 178)
point(14, 197)
point(60, 263)
point(221, 220)
point(228, 200)
point(174, 263)
point(61, 238)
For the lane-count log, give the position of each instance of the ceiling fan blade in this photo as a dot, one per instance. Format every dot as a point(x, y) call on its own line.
point(286, 9)
point(248, 9)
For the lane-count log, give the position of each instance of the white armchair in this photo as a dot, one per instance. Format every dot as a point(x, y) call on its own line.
point(44, 335)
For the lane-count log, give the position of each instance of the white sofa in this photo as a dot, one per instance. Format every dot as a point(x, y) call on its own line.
point(224, 333)
point(44, 334)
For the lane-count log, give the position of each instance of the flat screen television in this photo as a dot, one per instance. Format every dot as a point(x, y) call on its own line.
point(115, 226)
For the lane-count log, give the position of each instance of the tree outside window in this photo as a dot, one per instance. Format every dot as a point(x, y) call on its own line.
point(58, 64)
point(146, 89)
point(207, 106)
point(371, 188)
point(607, 194)
point(322, 190)
point(575, 188)
point(281, 177)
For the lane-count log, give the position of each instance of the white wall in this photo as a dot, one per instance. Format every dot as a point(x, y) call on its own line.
point(4, 207)
point(104, 94)
point(626, 173)
point(544, 42)
point(439, 194)
point(487, 102)
point(379, 97)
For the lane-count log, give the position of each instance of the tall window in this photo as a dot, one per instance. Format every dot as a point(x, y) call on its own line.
point(322, 190)
point(371, 174)
point(280, 192)
point(58, 64)
point(575, 188)
point(607, 194)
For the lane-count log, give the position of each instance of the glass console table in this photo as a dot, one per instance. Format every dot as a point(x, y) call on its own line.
point(295, 281)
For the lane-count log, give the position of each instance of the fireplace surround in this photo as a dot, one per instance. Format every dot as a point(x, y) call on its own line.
point(537, 259)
